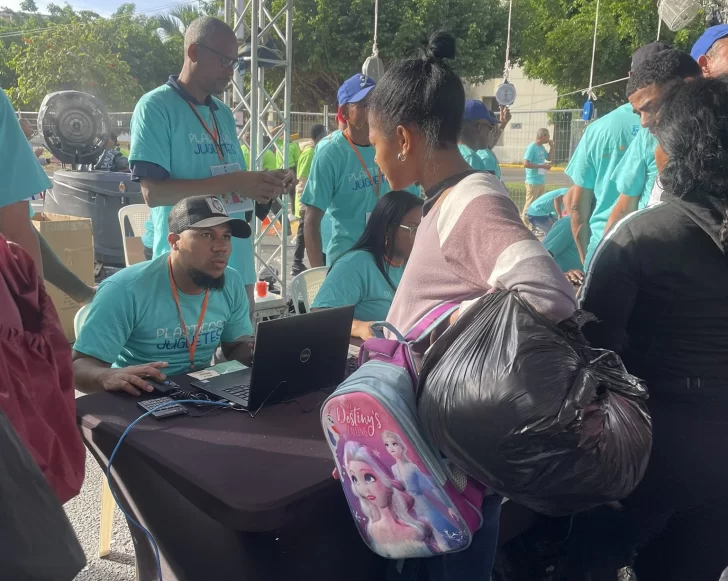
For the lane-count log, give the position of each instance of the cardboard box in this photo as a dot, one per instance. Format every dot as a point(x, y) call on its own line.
point(72, 240)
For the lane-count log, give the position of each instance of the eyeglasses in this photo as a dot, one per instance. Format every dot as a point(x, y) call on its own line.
point(411, 229)
point(225, 60)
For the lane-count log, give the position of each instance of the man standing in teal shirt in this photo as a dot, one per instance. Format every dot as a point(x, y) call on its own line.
point(649, 84)
point(184, 143)
point(475, 134)
point(344, 179)
point(537, 162)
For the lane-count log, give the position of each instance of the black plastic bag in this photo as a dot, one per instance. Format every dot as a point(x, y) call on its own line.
point(528, 408)
point(37, 542)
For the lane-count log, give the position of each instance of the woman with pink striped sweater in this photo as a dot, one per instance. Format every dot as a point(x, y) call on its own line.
point(471, 239)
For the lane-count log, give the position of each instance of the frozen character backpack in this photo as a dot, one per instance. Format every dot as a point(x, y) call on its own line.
point(406, 499)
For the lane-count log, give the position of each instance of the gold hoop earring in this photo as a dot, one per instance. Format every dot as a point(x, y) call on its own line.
point(401, 157)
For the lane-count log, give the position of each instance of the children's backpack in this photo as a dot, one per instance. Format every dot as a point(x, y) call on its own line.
point(406, 499)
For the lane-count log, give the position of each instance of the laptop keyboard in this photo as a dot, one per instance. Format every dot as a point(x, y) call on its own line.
point(241, 391)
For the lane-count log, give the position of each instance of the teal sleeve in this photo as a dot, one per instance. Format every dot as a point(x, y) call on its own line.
point(21, 175)
point(151, 134)
point(110, 321)
point(581, 170)
point(239, 324)
point(530, 154)
point(630, 175)
point(339, 289)
point(559, 238)
point(321, 182)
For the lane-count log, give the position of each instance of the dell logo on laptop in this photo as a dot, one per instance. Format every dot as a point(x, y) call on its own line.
point(305, 355)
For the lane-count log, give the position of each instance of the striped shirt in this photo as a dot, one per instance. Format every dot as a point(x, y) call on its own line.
point(472, 242)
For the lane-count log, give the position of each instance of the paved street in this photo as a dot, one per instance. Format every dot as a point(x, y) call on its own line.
point(557, 178)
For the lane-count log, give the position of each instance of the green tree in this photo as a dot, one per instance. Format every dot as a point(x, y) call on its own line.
point(553, 42)
point(29, 6)
point(73, 56)
point(174, 23)
point(332, 38)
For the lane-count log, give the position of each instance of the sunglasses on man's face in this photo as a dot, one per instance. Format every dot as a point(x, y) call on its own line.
point(225, 60)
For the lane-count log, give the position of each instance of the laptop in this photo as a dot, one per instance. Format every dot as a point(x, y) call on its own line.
point(293, 356)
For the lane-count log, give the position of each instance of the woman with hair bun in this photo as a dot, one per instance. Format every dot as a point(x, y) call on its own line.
point(471, 239)
point(658, 285)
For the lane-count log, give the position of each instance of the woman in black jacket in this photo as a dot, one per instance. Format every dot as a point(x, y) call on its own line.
point(658, 285)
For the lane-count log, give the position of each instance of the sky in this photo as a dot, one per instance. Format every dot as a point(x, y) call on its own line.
point(103, 7)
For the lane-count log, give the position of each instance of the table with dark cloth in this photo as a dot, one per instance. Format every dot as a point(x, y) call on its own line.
point(227, 496)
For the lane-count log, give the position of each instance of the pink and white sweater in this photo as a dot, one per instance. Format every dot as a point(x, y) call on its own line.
point(471, 243)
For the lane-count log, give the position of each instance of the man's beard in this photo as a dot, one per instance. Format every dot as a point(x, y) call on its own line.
point(206, 281)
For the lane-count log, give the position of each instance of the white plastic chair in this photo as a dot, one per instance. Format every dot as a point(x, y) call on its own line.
point(305, 286)
point(138, 214)
point(107, 500)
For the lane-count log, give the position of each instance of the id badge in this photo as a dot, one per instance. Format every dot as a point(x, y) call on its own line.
point(369, 215)
point(234, 203)
point(542, 172)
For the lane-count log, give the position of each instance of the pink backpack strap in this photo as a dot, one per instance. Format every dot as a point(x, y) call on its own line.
point(431, 321)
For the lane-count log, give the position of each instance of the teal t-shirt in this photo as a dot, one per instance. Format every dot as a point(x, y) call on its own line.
point(165, 131)
point(536, 154)
point(471, 156)
point(490, 161)
point(354, 279)
point(562, 246)
point(544, 205)
point(599, 152)
point(636, 173)
point(339, 186)
point(133, 319)
point(22, 175)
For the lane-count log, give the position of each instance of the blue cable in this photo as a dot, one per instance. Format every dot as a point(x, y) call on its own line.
point(226, 404)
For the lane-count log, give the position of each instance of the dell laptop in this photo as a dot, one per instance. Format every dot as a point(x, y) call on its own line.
point(293, 356)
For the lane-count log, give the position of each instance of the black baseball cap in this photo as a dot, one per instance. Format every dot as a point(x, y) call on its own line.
point(647, 52)
point(204, 212)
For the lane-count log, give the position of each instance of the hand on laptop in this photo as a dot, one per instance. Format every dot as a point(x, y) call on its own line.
point(131, 379)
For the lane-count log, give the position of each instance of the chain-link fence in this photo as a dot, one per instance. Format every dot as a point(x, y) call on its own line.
point(565, 126)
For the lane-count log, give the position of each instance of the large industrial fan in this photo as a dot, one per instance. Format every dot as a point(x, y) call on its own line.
point(75, 127)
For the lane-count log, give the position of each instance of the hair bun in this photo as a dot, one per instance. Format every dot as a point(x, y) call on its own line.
point(440, 46)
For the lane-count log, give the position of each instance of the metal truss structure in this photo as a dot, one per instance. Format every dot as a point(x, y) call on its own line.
point(265, 41)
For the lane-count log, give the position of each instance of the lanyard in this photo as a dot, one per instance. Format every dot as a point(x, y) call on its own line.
point(375, 187)
point(191, 346)
point(213, 134)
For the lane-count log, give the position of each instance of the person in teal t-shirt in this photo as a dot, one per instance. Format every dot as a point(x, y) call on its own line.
point(344, 180)
point(367, 276)
point(146, 317)
point(479, 133)
point(184, 142)
point(21, 177)
point(537, 162)
point(475, 135)
point(599, 152)
point(647, 88)
point(544, 211)
point(560, 243)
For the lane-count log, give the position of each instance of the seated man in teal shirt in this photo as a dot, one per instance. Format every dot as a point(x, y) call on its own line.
point(546, 210)
point(169, 313)
point(562, 246)
point(647, 87)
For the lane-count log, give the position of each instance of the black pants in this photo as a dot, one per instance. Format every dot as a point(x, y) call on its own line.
point(677, 518)
point(300, 242)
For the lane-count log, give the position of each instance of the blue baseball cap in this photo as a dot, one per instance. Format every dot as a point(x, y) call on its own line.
point(476, 110)
point(709, 38)
point(355, 89)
